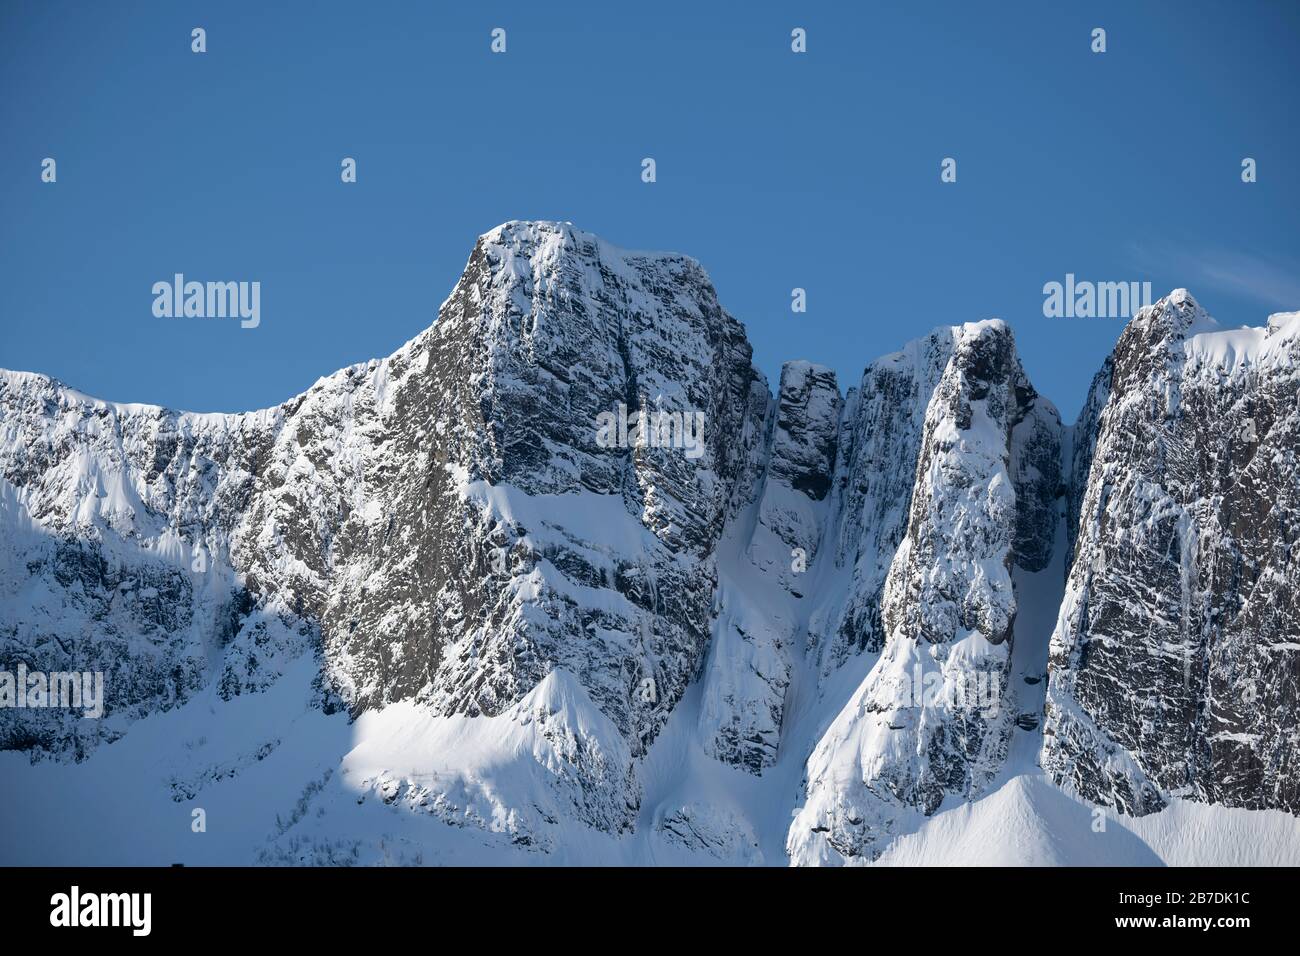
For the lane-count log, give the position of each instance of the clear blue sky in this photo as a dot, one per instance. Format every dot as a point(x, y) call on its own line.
point(775, 170)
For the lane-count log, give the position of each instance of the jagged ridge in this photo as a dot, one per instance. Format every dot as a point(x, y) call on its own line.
point(446, 528)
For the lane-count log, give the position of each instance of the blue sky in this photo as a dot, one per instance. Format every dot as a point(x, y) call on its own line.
point(775, 170)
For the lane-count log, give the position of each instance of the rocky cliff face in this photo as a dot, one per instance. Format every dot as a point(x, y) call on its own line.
point(934, 716)
point(1174, 663)
point(120, 523)
point(772, 541)
point(570, 516)
point(875, 477)
point(444, 525)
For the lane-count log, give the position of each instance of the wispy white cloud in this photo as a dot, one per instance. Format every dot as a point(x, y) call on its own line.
point(1272, 282)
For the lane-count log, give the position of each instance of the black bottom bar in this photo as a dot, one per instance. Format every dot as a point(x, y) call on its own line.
point(212, 906)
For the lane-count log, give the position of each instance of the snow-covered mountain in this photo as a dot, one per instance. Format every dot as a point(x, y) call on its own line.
point(562, 581)
point(1175, 664)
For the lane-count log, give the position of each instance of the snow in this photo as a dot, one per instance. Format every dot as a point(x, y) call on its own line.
point(318, 793)
point(1230, 351)
point(1028, 821)
point(1025, 822)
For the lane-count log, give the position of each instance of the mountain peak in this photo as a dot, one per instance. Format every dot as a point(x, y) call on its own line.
point(1177, 315)
point(549, 238)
